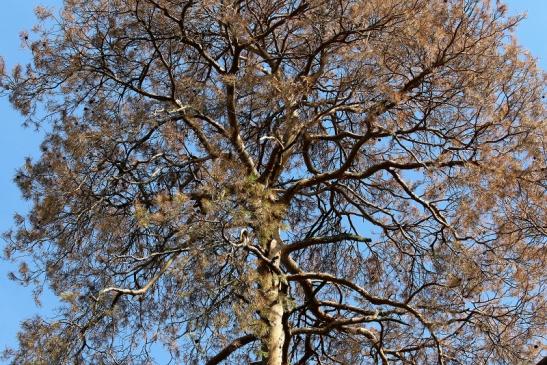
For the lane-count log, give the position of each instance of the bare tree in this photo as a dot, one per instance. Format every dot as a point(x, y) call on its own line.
point(283, 182)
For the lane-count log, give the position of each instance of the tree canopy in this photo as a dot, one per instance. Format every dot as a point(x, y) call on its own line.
point(282, 182)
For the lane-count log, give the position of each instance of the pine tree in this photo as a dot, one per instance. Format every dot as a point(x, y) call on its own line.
point(282, 182)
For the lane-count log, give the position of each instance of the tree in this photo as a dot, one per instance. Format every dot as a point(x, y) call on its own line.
point(283, 182)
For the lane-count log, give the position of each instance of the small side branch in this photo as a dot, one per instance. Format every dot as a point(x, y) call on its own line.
point(144, 289)
point(228, 350)
point(300, 245)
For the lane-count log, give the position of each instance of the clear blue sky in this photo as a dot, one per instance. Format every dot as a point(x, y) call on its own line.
point(16, 302)
point(16, 143)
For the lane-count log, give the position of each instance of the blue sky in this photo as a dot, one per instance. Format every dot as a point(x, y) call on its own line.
point(16, 142)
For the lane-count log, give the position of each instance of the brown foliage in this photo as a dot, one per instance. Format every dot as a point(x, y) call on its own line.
point(307, 182)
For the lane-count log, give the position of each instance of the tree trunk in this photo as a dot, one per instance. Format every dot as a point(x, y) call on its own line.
point(273, 306)
point(276, 336)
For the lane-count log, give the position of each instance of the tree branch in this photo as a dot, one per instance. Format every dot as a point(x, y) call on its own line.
point(228, 350)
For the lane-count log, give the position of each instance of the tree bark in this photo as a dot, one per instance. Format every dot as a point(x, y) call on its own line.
point(276, 337)
point(273, 305)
